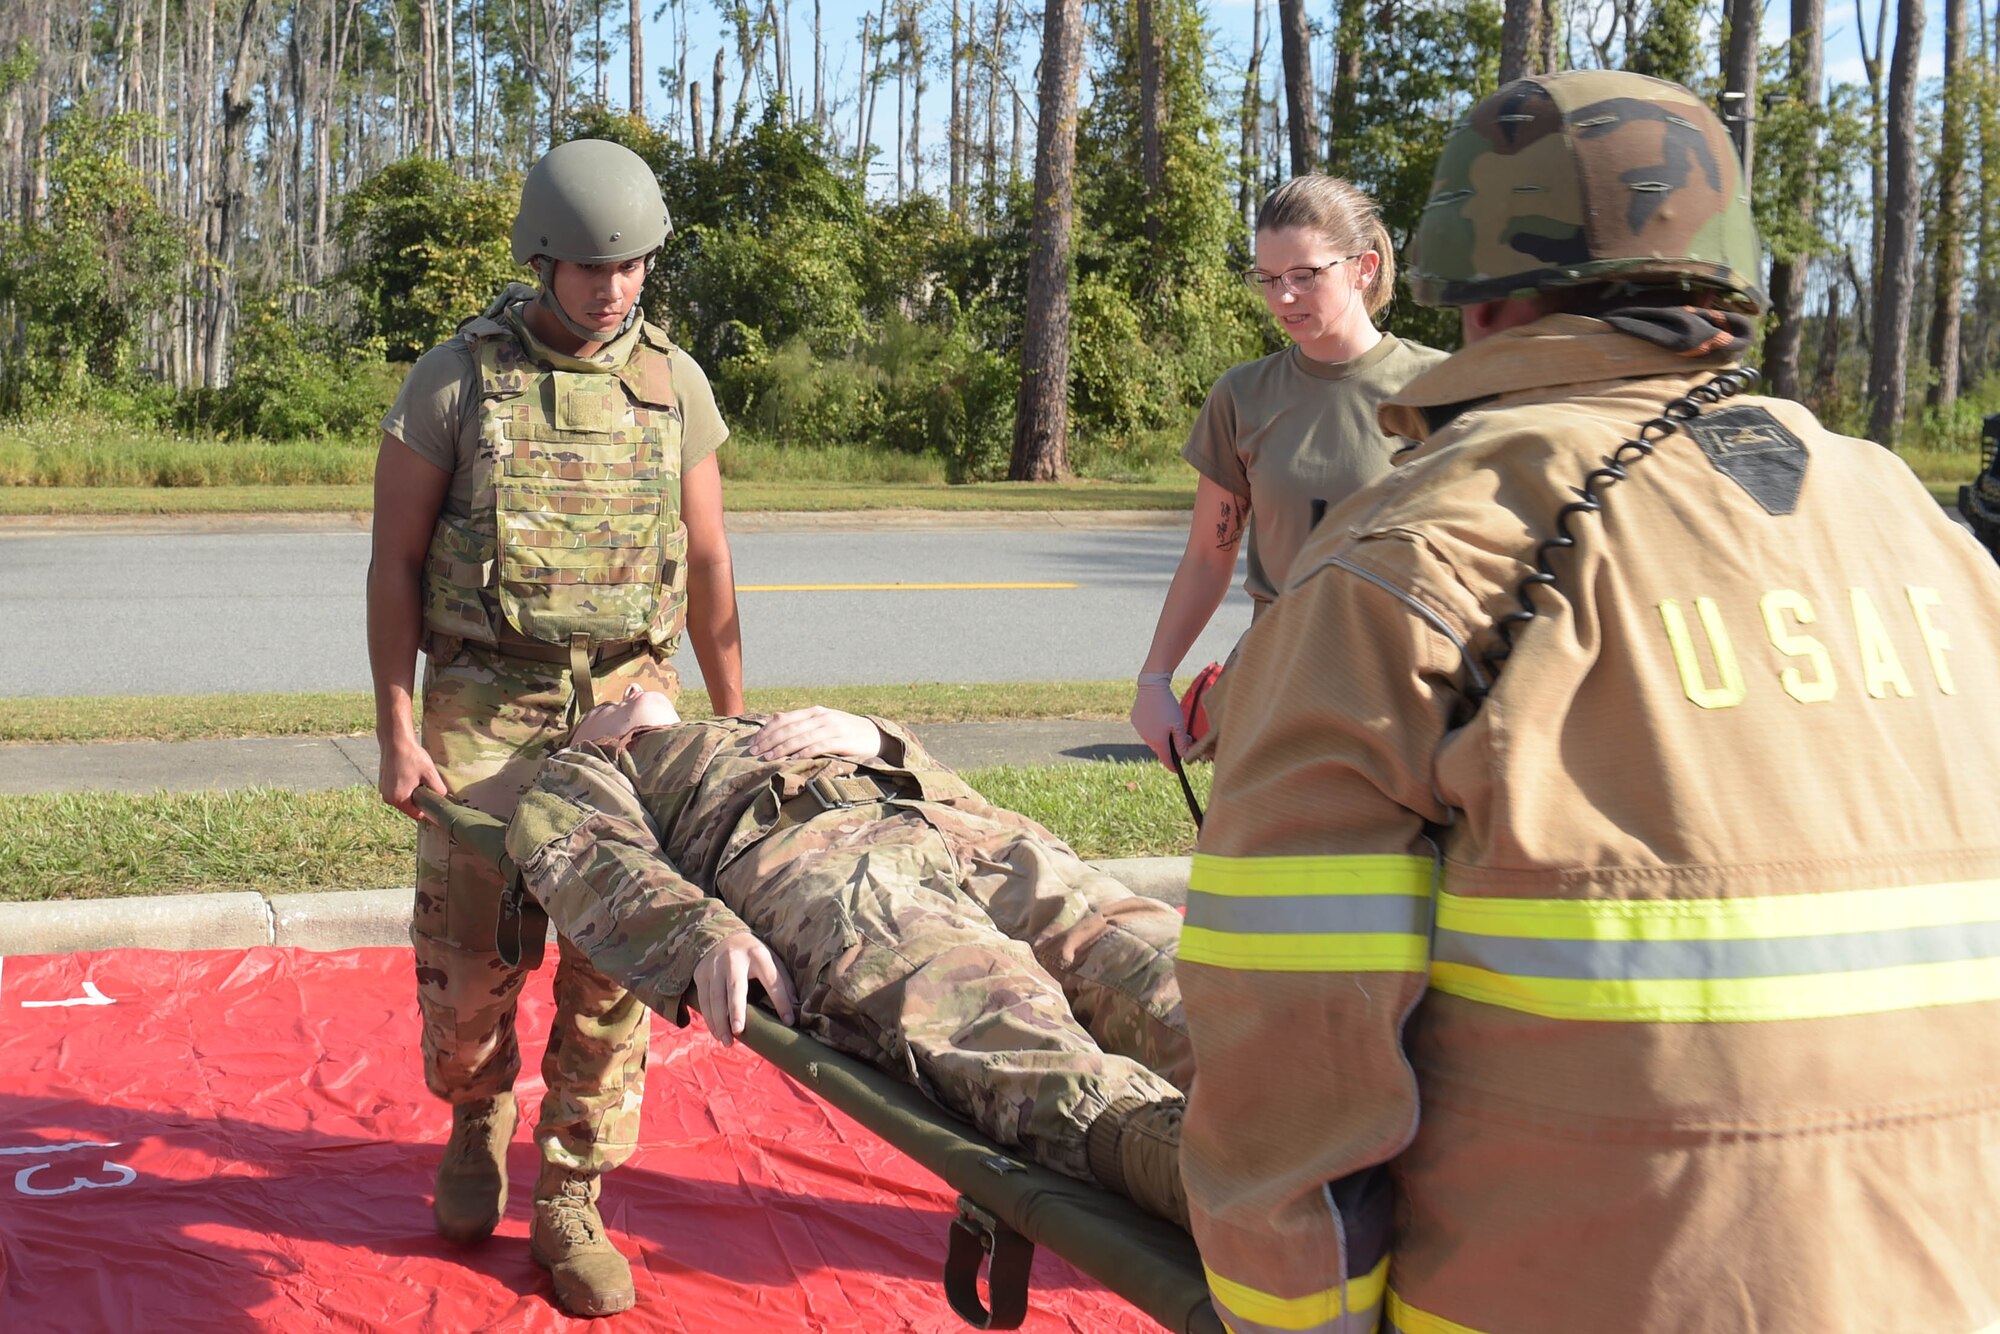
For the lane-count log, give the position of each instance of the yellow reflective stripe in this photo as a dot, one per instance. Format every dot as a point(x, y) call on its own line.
point(1728, 999)
point(1407, 1319)
point(1252, 877)
point(1264, 881)
point(1762, 918)
point(1369, 953)
point(1300, 1313)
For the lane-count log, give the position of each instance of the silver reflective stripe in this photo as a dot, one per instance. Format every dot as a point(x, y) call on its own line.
point(1787, 956)
point(1310, 914)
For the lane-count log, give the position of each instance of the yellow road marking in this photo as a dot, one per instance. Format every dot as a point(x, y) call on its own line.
point(880, 588)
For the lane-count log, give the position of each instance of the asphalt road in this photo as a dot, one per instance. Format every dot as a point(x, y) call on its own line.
point(173, 613)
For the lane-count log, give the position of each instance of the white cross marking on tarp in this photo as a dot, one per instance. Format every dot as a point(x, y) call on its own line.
point(91, 996)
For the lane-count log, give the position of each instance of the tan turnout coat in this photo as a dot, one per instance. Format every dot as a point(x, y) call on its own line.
point(1658, 967)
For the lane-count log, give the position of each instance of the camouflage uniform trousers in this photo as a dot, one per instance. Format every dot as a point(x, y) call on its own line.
point(488, 720)
point(973, 951)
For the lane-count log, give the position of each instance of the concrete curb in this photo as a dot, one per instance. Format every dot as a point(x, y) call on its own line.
point(331, 920)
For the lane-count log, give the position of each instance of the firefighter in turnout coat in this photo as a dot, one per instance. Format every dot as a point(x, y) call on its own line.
point(1597, 924)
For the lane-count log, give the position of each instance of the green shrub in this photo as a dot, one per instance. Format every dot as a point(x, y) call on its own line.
point(430, 248)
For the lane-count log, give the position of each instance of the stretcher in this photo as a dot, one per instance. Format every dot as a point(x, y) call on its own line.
point(1006, 1206)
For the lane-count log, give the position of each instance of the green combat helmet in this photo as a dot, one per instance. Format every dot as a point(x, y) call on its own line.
point(1594, 176)
point(588, 201)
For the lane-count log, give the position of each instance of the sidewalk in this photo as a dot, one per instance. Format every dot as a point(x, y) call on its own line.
point(352, 919)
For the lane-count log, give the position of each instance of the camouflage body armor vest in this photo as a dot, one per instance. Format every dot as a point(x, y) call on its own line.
point(575, 535)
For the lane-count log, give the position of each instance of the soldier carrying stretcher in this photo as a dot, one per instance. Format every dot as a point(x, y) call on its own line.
point(886, 908)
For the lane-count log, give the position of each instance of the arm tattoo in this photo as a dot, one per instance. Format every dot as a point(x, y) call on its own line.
point(1229, 525)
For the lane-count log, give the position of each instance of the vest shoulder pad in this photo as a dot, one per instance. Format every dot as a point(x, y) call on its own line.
point(481, 327)
point(648, 374)
point(504, 368)
point(652, 335)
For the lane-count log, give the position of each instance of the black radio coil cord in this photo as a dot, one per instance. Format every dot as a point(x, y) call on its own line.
point(1590, 500)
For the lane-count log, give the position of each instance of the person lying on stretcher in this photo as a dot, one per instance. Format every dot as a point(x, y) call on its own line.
point(887, 909)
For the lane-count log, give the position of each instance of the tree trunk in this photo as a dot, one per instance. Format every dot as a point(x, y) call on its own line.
point(954, 134)
point(819, 68)
point(1041, 410)
point(1788, 276)
point(427, 75)
point(1888, 381)
point(1520, 40)
point(1553, 47)
point(715, 105)
point(1742, 18)
point(1349, 40)
point(1949, 243)
point(1301, 118)
point(1249, 158)
point(1152, 121)
point(994, 77)
point(694, 118)
point(864, 107)
point(1871, 65)
point(237, 101)
point(448, 81)
point(635, 39)
point(915, 47)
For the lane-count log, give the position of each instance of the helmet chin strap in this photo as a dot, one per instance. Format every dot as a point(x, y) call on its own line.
point(545, 269)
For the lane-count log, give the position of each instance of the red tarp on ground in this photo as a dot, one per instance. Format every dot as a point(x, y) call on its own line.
point(241, 1140)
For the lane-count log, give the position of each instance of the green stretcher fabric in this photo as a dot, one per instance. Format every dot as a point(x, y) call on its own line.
point(1150, 1263)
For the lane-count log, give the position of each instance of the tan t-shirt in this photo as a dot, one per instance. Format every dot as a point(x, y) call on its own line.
point(437, 412)
point(1296, 437)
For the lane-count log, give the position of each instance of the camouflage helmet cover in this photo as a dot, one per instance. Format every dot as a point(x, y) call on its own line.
point(1563, 180)
point(590, 201)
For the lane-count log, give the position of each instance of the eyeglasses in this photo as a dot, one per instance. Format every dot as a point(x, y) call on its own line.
point(1296, 281)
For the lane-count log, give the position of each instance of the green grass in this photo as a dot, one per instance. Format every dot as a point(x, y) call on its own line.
point(83, 465)
point(344, 713)
point(111, 845)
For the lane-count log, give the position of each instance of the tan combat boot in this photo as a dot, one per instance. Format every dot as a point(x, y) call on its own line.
point(567, 1239)
point(472, 1179)
point(1135, 1149)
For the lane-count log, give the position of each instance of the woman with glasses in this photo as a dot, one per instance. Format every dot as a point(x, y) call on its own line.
point(1283, 438)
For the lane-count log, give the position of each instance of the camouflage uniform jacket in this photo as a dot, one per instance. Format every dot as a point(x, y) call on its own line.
point(1659, 963)
point(709, 801)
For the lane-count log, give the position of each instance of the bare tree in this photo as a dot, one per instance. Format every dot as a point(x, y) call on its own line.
point(914, 51)
point(236, 106)
point(1249, 154)
point(1948, 244)
point(1301, 118)
point(635, 41)
point(1895, 278)
point(1788, 276)
point(1871, 65)
point(1041, 410)
point(954, 132)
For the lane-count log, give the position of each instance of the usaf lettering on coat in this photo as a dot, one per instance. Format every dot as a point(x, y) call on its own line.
point(1860, 645)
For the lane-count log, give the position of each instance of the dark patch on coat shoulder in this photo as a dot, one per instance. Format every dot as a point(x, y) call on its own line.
point(1754, 450)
